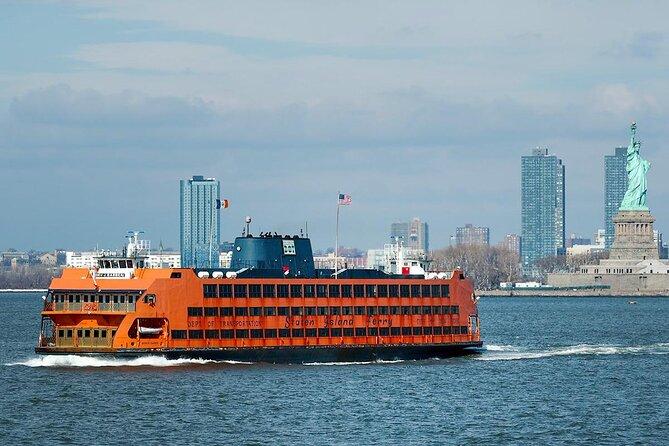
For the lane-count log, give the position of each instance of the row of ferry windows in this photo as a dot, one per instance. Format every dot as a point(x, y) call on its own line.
point(68, 333)
point(99, 298)
point(316, 332)
point(322, 311)
point(299, 290)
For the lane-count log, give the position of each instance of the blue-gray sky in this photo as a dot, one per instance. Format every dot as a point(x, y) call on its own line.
point(414, 108)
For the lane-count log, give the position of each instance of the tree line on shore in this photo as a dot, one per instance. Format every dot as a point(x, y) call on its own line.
point(488, 266)
point(27, 276)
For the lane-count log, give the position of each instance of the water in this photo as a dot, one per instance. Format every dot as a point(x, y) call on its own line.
point(556, 371)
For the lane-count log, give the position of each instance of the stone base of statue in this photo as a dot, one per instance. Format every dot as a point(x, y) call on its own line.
point(634, 239)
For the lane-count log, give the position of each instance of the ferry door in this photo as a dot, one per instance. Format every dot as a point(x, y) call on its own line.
point(473, 323)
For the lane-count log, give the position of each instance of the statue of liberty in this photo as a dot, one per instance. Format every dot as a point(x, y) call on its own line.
point(637, 168)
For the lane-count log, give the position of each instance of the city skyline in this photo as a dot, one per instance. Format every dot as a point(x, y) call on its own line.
point(103, 109)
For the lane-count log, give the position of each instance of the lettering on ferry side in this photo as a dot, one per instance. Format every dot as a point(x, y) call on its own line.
point(338, 322)
point(91, 306)
point(298, 322)
point(192, 324)
point(241, 323)
point(380, 321)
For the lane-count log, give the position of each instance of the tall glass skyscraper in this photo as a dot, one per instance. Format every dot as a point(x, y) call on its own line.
point(543, 207)
point(200, 222)
point(615, 186)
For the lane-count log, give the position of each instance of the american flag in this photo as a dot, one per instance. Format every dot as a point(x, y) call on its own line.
point(344, 199)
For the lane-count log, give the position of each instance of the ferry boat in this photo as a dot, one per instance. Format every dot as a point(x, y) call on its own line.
point(271, 305)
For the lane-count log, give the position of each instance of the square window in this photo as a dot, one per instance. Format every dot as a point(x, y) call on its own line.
point(321, 291)
point(297, 333)
point(296, 290)
point(309, 291)
point(256, 311)
point(335, 332)
point(270, 333)
point(241, 334)
point(254, 290)
point(323, 332)
point(370, 290)
point(393, 291)
point(372, 331)
point(361, 331)
point(284, 333)
point(348, 332)
point(270, 311)
point(382, 290)
point(310, 333)
point(268, 290)
point(334, 290)
point(226, 311)
point(335, 311)
point(211, 311)
point(296, 311)
point(241, 311)
point(283, 311)
point(225, 290)
point(241, 291)
point(395, 331)
point(210, 290)
point(282, 290)
point(358, 290)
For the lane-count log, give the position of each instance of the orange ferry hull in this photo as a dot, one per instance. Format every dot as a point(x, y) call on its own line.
point(292, 355)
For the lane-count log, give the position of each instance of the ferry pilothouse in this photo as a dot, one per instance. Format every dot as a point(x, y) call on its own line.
point(271, 305)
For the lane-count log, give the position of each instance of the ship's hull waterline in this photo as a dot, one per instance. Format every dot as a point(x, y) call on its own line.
point(292, 355)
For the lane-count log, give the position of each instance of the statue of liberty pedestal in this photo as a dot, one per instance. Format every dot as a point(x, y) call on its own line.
point(634, 224)
point(637, 168)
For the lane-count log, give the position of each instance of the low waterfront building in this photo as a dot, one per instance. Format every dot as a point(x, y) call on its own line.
point(472, 235)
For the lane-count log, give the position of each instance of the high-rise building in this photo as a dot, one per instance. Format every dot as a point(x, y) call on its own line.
point(399, 232)
point(472, 235)
point(543, 207)
point(200, 222)
point(512, 242)
point(414, 234)
point(615, 186)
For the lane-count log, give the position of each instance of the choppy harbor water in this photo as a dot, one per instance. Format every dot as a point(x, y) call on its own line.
point(556, 371)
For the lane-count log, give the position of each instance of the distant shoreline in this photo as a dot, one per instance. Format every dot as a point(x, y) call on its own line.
point(26, 290)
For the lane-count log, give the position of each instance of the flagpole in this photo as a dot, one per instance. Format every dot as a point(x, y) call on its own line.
point(337, 240)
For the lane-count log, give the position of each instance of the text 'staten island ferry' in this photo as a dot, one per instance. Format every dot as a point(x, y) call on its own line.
point(272, 305)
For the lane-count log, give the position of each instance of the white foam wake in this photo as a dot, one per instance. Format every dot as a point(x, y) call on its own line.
point(96, 361)
point(379, 361)
point(511, 353)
